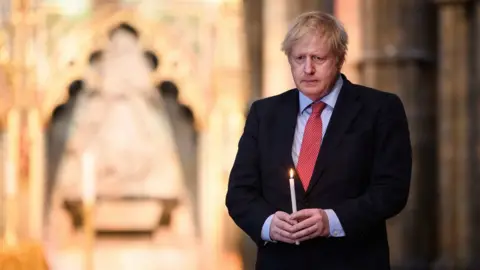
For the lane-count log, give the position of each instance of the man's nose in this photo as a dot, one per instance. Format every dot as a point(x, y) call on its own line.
point(309, 68)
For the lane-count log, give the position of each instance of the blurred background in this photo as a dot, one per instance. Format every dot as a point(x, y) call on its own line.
point(120, 121)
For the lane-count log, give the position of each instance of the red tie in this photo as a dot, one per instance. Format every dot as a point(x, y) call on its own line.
point(312, 139)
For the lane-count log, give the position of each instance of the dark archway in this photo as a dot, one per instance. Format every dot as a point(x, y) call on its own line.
point(182, 120)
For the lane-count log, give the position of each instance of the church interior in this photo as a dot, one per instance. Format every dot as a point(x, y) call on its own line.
point(120, 119)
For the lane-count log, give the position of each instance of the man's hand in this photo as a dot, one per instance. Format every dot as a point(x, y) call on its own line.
point(281, 228)
point(311, 223)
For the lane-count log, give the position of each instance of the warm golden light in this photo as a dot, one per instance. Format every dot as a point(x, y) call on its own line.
point(291, 173)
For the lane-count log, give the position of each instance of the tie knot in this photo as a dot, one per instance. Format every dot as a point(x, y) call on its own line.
point(318, 107)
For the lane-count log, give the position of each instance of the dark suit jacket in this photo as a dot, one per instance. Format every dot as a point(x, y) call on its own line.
point(363, 173)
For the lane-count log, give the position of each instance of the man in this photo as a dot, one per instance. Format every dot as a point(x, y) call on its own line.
point(350, 148)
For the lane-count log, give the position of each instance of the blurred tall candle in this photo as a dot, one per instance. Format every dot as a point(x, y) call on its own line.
point(88, 181)
point(10, 180)
point(10, 233)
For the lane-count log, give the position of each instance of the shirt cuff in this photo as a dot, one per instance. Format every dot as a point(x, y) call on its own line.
point(336, 229)
point(266, 229)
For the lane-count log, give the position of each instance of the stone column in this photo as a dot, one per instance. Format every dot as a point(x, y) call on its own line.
point(36, 177)
point(277, 16)
point(5, 103)
point(11, 151)
point(348, 12)
point(254, 28)
point(253, 23)
point(5, 7)
point(276, 73)
point(475, 149)
point(397, 56)
point(458, 136)
point(2, 178)
point(220, 138)
point(324, 5)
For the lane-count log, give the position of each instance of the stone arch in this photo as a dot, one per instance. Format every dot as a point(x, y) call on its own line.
point(178, 62)
point(214, 91)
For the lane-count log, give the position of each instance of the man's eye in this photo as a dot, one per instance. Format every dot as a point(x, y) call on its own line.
point(300, 57)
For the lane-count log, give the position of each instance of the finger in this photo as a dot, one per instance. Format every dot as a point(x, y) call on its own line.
point(310, 236)
point(280, 235)
point(306, 232)
point(285, 240)
point(284, 226)
point(285, 217)
point(304, 224)
point(285, 234)
point(302, 214)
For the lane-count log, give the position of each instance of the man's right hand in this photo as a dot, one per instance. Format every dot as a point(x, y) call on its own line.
point(281, 228)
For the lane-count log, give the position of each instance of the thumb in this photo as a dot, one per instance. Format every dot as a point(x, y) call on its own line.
point(285, 217)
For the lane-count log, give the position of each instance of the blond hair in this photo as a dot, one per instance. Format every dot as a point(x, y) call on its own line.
point(322, 24)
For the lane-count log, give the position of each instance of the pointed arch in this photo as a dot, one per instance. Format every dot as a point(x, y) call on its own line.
point(179, 60)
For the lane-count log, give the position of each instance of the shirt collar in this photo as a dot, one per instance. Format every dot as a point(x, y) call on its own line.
point(330, 99)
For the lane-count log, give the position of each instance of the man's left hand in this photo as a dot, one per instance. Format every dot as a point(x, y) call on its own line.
point(311, 223)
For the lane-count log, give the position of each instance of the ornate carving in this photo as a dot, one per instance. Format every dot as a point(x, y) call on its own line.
point(180, 42)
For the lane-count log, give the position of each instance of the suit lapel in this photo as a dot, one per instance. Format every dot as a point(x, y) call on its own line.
point(286, 124)
point(345, 111)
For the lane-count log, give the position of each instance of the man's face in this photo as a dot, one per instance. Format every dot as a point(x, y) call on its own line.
point(314, 67)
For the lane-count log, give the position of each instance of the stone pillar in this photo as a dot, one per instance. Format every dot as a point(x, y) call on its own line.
point(475, 149)
point(5, 103)
point(36, 176)
point(219, 140)
point(458, 136)
point(11, 147)
point(276, 72)
point(253, 10)
point(348, 12)
point(308, 5)
point(254, 28)
point(397, 56)
point(5, 7)
point(277, 16)
point(2, 178)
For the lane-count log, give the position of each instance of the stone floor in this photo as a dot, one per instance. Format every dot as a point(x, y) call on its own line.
point(163, 252)
point(142, 257)
point(120, 254)
point(166, 249)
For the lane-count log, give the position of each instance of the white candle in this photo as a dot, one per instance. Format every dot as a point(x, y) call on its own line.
point(10, 180)
point(293, 196)
point(292, 192)
point(88, 181)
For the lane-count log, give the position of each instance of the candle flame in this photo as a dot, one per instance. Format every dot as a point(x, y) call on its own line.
point(291, 173)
